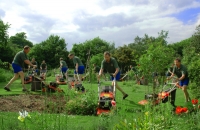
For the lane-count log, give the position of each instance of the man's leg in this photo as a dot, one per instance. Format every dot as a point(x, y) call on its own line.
point(21, 73)
point(117, 86)
point(66, 75)
point(186, 94)
point(173, 97)
point(15, 77)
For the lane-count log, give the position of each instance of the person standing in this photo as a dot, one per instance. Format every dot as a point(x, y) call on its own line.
point(18, 65)
point(111, 66)
point(182, 73)
point(34, 69)
point(43, 69)
point(79, 67)
point(63, 67)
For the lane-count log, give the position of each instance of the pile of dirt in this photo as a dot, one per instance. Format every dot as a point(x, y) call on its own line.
point(30, 103)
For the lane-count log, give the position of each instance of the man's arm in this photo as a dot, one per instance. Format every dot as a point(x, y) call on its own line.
point(116, 68)
point(76, 67)
point(116, 71)
point(29, 63)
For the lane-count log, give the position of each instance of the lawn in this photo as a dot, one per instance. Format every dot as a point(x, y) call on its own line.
point(129, 114)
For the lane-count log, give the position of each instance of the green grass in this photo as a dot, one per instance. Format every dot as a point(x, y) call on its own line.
point(128, 111)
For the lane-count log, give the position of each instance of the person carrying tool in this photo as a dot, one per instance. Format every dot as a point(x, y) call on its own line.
point(79, 67)
point(43, 69)
point(183, 80)
point(63, 68)
point(111, 66)
point(17, 65)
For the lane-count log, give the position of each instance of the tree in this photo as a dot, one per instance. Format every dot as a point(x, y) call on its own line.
point(50, 50)
point(179, 46)
point(191, 58)
point(125, 57)
point(3, 33)
point(140, 45)
point(96, 46)
point(20, 40)
point(97, 59)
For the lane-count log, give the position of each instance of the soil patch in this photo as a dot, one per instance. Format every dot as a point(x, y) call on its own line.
point(30, 103)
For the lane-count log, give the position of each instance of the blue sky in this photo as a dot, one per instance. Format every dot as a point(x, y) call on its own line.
point(188, 16)
point(116, 21)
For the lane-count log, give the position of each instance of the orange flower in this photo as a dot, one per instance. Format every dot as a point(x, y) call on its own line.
point(194, 101)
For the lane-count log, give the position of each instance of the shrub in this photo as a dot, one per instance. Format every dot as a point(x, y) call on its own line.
point(82, 104)
point(5, 75)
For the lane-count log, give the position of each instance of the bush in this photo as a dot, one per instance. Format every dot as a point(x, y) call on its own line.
point(82, 104)
point(5, 75)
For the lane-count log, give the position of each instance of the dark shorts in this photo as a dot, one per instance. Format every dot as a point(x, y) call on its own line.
point(43, 71)
point(81, 70)
point(117, 76)
point(184, 82)
point(16, 68)
point(64, 69)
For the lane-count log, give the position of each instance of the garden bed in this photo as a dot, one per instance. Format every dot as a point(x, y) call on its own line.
point(30, 103)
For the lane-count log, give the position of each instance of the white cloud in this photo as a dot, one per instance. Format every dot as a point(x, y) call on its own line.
point(114, 21)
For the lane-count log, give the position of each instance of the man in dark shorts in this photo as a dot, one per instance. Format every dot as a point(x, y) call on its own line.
point(181, 72)
point(43, 68)
point(111, 66)
point(79, 67)
point(18, 65)
point(63, 67)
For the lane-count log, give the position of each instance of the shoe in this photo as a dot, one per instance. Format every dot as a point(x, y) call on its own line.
point(7, 89)
point(125, 96)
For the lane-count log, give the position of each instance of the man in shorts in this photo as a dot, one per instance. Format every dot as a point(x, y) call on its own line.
point(181, 72)
point(43, 69)
point(111, 66)
point(63, 67)
point(79, 67)
point(18, 65)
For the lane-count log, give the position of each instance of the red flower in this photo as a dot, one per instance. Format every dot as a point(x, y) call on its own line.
point(194, 101)
point(184, 109)
point(178, 110)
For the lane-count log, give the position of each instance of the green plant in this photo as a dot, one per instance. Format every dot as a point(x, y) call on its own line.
point(83, 104)
point(5, 75)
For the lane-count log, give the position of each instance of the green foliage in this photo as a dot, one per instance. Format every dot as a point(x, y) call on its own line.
point(125, 56)
point(20, 40)
point(97, 59)
point(179, 46)
point(159, 118)
point(83, 104)
point(3, 33)
point(95, 46)
point(5, 75)
point(157, 59)
point(192, 61)
point(50, 50)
